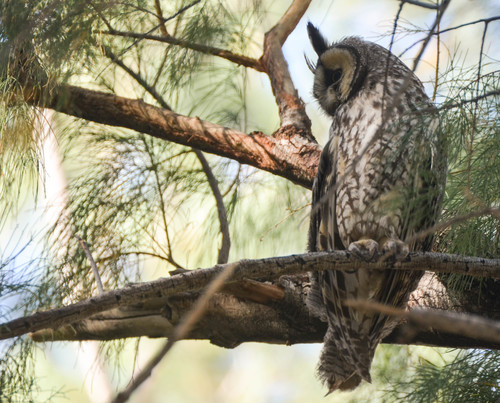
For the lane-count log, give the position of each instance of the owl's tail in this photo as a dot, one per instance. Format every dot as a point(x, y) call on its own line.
point(338, 369)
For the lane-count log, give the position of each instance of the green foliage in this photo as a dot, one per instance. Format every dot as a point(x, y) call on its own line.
point(473, 376)
point(473, 130)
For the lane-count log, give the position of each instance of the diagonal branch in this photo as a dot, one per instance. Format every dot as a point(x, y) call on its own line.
point(296, 159)
point(180, 331)
point(291, 108)
point(240, 60)
point(258, 269)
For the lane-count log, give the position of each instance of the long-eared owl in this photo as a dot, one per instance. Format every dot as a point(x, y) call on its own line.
point(380, 181)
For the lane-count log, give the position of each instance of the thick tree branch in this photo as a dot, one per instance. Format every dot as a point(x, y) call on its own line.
point(294, 159)
point(291, 108)
point(258, 269)
point(229, 321)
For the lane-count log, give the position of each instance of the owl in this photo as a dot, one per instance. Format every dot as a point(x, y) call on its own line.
point(380, 181)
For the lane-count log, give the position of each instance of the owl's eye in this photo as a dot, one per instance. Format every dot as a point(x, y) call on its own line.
point(333, 78)
point(336, 75)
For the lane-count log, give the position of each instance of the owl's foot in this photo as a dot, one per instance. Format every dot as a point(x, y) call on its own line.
point(394, 248)
point(366, 249)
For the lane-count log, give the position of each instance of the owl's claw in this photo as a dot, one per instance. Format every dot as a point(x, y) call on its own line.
point(394, 248)
point(366, 249)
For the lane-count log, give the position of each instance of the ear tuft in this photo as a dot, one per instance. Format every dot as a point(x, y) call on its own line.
point(318, 42)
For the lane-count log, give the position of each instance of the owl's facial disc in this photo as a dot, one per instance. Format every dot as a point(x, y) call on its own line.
point(339, 65)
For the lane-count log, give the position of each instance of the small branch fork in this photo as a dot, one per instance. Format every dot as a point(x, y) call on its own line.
point(272, 62)
point(291, 108)
point(259, 269)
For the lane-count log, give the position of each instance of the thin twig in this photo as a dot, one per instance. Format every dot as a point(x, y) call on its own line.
point(485, 20)
point(436, 70)
point(463, 102)
point(421, 4)
point(223, 255)
point(159, 13)
point(137, 77)
point(163, 205)
point(209, 50)
point(473, 326)
point(179, 12)
point(181, 330)
point(455, 220)
point(439, 16)
point(85, 247)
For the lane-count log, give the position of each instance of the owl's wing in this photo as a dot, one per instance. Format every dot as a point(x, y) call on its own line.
point(323, 231)
point(328, 288)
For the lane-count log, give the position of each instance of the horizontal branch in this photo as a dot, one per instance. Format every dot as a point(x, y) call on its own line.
point(257, 269)
point(229, 321)
point(467, 325)
point(295, 159)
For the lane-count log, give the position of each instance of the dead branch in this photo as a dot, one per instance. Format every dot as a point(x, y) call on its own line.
point(257, 269)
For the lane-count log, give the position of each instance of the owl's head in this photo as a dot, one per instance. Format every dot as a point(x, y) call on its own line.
point(340, 70)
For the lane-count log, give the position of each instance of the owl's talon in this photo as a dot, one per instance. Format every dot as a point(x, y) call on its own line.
point(365, 249)
point(394, 248)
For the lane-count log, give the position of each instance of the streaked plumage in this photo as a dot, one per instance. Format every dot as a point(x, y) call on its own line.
point(380, 180)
